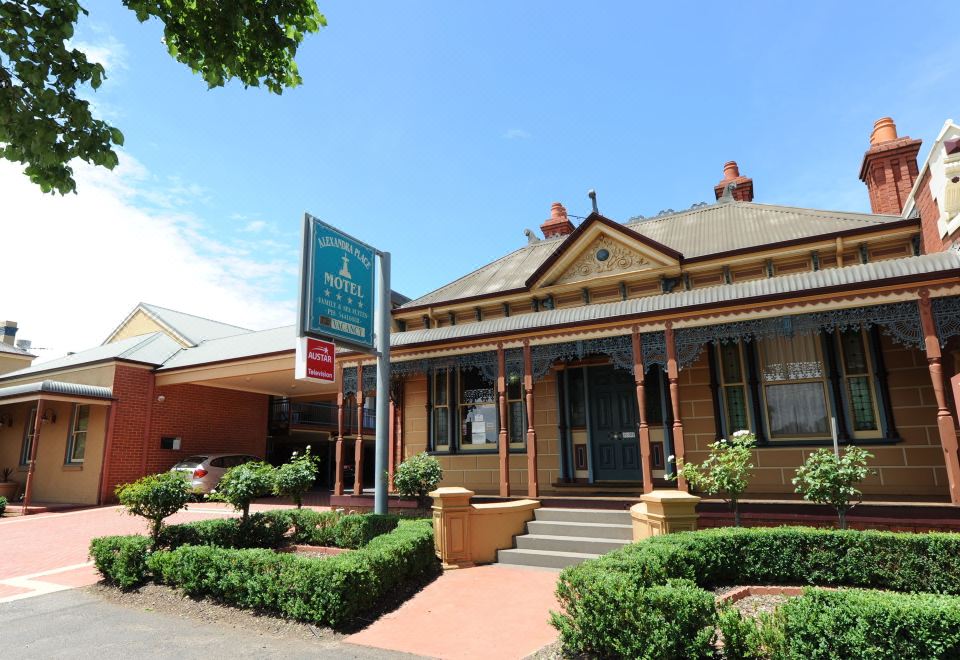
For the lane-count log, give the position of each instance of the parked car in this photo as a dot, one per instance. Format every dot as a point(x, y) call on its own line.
point(206, 470)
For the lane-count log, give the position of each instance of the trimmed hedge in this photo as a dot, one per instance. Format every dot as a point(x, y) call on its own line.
point(260, 530)
point(313, 527)
point(121, 560)
point(334, 591)
point(3, 505)
point(850, 623)
point(609, 588)
point(357, 530)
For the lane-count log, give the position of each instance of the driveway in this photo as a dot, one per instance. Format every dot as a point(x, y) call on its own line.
point(78, 624)
point(47, 552)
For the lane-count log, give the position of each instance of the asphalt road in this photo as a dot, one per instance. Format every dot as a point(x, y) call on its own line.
point(77, 624)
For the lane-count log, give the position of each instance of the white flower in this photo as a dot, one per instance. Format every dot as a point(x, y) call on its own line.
point(308, 447)
point(740, 433)
point(671, 458)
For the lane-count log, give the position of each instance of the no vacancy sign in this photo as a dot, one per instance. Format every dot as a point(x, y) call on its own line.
point(315, 360)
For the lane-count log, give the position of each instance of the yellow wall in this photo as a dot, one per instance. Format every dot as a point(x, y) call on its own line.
point(10, 362)
point(53, 481)
point(99, 375)
point(141, 324)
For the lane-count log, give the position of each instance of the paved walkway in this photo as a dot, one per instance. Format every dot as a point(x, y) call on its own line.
point(487, 612)
point(47, 552)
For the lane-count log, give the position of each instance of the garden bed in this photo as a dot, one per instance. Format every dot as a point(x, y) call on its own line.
point(240, 563)
point(651, 599)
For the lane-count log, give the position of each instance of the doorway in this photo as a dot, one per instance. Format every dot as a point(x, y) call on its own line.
point(615, 446)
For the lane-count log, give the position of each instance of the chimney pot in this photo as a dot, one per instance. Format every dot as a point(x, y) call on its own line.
point(730, 170)
point(9, 332)
point(558, 224)
point(884, 130)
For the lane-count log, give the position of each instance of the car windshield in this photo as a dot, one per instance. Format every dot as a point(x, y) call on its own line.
point(192, 462)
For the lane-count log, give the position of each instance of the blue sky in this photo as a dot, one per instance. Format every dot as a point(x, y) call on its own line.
point(439, 131)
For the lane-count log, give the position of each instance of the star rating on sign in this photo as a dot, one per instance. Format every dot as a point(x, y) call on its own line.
point(339, 296)
point(326, 292)
point(349, 301)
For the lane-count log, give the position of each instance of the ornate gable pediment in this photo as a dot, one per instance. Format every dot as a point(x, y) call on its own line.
point(600, 248)
point(604, 256)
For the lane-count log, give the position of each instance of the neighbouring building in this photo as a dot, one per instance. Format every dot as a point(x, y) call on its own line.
point(12, 356)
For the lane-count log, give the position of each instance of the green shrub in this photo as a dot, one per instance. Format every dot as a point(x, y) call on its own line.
point(121, 560)
point(868, 624)
point(746, 638)
point(725, 472)
point(242, 484)
point(313, 527)
point(334, 591)
point(357, 530)
point(295, 478)
point(732, 556)
point(260, 530)
point(417, 476)
point(675, 620)
point(3, 505)
point(826, 478)
point(155, 497)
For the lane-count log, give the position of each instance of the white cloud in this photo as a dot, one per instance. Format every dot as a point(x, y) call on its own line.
point(517, 134)
point(255, 226)
point(108, 51)
point(75, 266)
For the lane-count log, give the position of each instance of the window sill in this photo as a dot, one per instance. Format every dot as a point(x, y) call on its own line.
point(72, 467)
point(771, 444)
point(476, 452)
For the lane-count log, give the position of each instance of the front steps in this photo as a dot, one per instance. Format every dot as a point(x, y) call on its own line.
point(558, 538)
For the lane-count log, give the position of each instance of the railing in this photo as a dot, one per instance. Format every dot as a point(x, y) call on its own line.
point(286, 414)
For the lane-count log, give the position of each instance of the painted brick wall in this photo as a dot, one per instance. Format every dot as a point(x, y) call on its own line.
point(929, 215)
point(207, 419)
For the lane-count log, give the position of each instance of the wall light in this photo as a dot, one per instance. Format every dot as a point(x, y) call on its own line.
point(161, 399)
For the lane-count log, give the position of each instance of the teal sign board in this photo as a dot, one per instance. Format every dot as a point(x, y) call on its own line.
point(337, 286)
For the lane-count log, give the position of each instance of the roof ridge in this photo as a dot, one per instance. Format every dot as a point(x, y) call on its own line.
point(202, 318)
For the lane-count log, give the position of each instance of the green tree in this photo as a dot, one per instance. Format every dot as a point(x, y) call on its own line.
point(44, 124)
point(241, 485)
point(417, 476)
point(294, 478)
point(826, 478)
point(155, 497)
point(726, 471)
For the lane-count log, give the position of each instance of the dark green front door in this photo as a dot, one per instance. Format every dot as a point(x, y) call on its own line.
point(613, 425)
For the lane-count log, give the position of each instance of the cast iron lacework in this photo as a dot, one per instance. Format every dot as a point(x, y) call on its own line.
point(654, 349)
point(946, 313)
point(619, 349)
point(485, 362)
point(900, 321)
point(350, 379)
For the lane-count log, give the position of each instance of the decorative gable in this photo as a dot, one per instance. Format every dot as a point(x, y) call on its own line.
point(601, 248)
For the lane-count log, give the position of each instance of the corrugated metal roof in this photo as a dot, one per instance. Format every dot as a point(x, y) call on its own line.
point(774, 286)
point(14, 350)
point(57, 387)
point(154, 348)
point(723, 227)
point(711, 229)
point(248, 344)
point(194, 329)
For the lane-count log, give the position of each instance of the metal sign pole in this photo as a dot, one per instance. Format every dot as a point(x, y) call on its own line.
point(383, 384)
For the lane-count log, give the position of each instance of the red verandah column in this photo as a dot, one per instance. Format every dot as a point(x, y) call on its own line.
point(358, 447)
point(673, 374)
point(32, 464)
point(338, 447)
point(945, 422)
point(391, 449)
point(503, 442)
point(532, 487)
point(638, 375)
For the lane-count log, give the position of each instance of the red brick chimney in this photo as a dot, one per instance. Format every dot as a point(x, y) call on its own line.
point(558, 224)
point(731, 174)
point(889, 167)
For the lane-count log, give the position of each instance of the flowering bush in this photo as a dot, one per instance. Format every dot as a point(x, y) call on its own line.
point(295, 478)
point(726, 471)
point(826, 478)
point(417, 476)
point(242, 484)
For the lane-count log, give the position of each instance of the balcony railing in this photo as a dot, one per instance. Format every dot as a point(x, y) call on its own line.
point(286, 414)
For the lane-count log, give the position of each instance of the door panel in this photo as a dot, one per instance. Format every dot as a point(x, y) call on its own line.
point(613, 425)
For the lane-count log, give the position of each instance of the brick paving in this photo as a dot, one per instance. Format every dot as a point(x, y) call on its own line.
point(472, 613)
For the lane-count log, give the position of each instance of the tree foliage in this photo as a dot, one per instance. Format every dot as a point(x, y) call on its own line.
point(417, 476)
point(44, 124)
point(294, 478)
point(826, 478)
point(241, 485)
point(155, 497)
point(725, 472)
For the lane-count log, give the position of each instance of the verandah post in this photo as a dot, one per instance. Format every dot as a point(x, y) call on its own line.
point(32, 460)
point(338, 447)
point(358, 446)
point(503, 442)
point(673, 375)
point(533, 488)
point(945, 421)
point(644, 430)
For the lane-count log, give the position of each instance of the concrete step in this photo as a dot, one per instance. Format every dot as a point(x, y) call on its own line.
point(584, 515)
point(579, 544)
point(542, 558)
point(581, 529)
